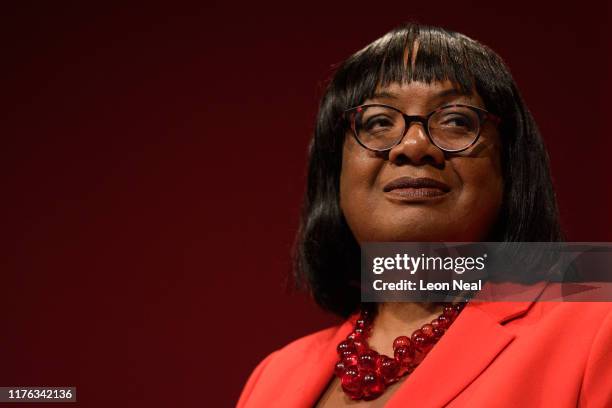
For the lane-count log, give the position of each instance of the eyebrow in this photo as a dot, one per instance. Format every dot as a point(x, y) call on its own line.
point(439, 95)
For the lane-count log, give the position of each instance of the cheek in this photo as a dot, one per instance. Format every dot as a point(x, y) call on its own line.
point(482, 192)
point(358, 176)
point(359, 171)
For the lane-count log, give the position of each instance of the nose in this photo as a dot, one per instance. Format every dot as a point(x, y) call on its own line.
point(416, 148)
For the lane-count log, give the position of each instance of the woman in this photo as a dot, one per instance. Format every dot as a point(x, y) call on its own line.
point(387, 164)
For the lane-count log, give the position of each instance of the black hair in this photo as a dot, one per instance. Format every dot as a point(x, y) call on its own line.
point(326, 255)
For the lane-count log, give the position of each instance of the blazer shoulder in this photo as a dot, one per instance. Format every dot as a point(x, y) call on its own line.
point(593, 313)
point(316, 339)
point(307, 345)
point(278, 363)
point(595, 390)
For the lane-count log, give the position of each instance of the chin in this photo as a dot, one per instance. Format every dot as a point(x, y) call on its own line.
point(388, 231)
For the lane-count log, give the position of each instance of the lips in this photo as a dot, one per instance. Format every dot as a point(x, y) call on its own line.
point(412, 188)
point(411, 182)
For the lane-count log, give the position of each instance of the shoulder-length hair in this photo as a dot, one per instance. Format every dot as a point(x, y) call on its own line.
point(326, 255)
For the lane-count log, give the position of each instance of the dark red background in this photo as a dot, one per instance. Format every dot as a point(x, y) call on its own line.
point(153, 162)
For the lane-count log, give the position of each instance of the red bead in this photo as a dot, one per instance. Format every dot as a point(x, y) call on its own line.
point(368, 359)
point(450, 312)
point(346, 345)
point(360, 346)
point(444, 322)
point(378, 360)
point(415, 335)
point(339, 369)
point(437, 333)
point(419, 355)
point(401, 341)
point(420, 341)
point(360, 323)
point(388, 368)
point(435, 323)
point(404, 355)
point(427, 330)
point(349, 358)
point(356, 334)
point(373, 385)
point(351, 383)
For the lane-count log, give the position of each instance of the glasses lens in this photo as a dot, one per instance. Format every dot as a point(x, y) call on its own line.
point(454, 128)
point(378, 127)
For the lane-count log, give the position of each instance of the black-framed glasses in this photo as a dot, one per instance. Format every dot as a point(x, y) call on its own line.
point(452, 128)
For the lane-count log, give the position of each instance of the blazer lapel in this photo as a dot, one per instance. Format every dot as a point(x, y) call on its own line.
point(321, 370)
point(473, 341)
point(315, 372)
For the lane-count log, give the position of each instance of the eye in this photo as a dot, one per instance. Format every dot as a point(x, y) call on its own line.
point(456, 120)
point(378, 123)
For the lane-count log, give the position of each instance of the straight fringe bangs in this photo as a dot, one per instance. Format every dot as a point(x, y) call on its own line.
point(424, 54)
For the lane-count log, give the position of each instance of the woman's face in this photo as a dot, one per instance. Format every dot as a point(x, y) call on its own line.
point(462, 208)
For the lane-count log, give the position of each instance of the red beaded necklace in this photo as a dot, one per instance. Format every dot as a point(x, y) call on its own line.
point(365, 374)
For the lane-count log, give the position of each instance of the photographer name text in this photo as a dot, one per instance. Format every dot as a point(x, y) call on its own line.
point(404, 284)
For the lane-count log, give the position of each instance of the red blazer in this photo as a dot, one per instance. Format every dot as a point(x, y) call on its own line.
point(518, 354)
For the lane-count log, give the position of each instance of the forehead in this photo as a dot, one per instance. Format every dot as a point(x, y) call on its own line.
point(416, 93)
